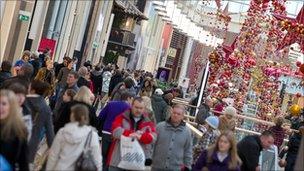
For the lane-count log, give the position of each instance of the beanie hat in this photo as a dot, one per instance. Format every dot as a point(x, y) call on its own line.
point(159, 91)
point(230, 111)
point(212, 121)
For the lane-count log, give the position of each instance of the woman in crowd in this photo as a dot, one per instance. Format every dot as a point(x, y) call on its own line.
point(13, 141)
point(147, 88)
point(70, 141)
point(148, 108)
point(85, 97)
point(24, 59)
point(227, 121)
point(83, 80)
point(67, 99)
point(222, 156)
point(41, 116)
point(278, 131)
point(47, 74)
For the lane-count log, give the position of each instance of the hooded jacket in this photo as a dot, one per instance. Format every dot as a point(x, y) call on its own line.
point(160, 107)
point(68, 146)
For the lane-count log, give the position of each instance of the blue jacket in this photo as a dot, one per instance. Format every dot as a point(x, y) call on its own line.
point(109, 113)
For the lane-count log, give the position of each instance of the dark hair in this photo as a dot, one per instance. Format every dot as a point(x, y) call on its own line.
point(81, 114)
point(6, 66)
point(139, 99)
point(97, 68)
point(129, 82)
point(126, 94)
point(26, 53)
point(75, 74)
point(40, 87)
point(17, 88)
point(267, 133)
point(71, 93)
point(27, 69)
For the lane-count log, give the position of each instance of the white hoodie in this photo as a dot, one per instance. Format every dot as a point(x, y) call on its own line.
point(68, 146)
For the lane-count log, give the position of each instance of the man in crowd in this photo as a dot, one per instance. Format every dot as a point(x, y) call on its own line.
point(107, 116)
point(5, 72)
point(131, 123)
point(249, 149)
point(173, 147)
point(71, 83)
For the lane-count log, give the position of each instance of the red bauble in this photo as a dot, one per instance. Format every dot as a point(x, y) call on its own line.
point(298, 95)
point(298, 63)
point(302, 68)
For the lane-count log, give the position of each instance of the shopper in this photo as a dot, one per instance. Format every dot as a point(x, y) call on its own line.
point(5, 72)
point(34, 61)
point(107, 116)
point(203, 110)
point(147, 88)
point(293, 149)
point(222, 156)
point(249, 149)
point(84, 97)
point(64, 72)
point(13, 136)
point(227, 121)
point(64, 109)
point(117, 78)
point(42, 117)
point(132, 123)
point(70, 141)
point(173, 147)
point(105, 89)
point(127, 84)
point(159, 106)
point(47, 74)
point(210, 134)
point(82, 81)
point(278, 131)
point(71, 83)
point(24, 59)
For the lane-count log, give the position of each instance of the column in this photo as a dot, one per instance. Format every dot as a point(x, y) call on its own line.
point(186, 58)
point(53, 20)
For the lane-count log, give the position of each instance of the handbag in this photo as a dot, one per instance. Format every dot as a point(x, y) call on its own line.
point(85, 161)
point(132, 154)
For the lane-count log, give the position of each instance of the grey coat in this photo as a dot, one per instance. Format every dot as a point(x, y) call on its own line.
point(160, 108)
point(173, 147)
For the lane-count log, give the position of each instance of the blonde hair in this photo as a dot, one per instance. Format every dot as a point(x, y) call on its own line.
point(83, 71)
point(13, 125)
point(235, 161)
point(147, 102)
point(84, 95)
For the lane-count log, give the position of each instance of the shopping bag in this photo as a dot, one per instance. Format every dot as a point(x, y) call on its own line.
point(132, 155)
point(41, 155)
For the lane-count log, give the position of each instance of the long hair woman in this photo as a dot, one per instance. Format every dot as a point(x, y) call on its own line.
point(13, 134)
point(85, 97)
point(222, 156)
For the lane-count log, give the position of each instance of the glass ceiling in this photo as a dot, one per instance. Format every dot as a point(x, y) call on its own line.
point(241, 6)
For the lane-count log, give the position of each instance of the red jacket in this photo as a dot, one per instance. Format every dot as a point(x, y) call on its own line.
point(124, 124)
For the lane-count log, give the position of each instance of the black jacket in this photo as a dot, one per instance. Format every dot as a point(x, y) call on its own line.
point(96, 77)
point(65, 111)
point(15, 151)
point(293, 149)
point(83, 82)
point(4, 75)
point(249, 149)
point(114, 81)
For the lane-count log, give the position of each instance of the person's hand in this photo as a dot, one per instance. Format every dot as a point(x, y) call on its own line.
point(282, 163)
point(135, 135)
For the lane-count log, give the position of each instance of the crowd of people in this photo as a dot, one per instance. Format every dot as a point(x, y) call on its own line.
point(81, 115)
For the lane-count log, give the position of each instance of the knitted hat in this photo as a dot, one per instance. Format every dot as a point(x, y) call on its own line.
point(159, 91)
point(212, 121)
point(230, 111)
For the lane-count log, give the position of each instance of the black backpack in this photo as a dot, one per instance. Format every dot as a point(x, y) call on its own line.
point(85, 161)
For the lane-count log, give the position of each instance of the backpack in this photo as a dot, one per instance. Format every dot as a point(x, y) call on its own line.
point(85, 161)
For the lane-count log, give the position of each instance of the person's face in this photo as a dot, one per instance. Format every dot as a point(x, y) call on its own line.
point(66, 97)
point(70, 65)
point(26, 58)
point(177, 115)
point(138, 108)
point(71, 79)
point(4, 107)
point(224, 144)
point(65, 62)
point(20, 98)
point(267, 141)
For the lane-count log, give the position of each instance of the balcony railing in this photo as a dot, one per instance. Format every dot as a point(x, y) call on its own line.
point(122, 37)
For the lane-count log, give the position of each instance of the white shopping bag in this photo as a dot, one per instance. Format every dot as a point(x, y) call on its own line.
point(132, 155)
